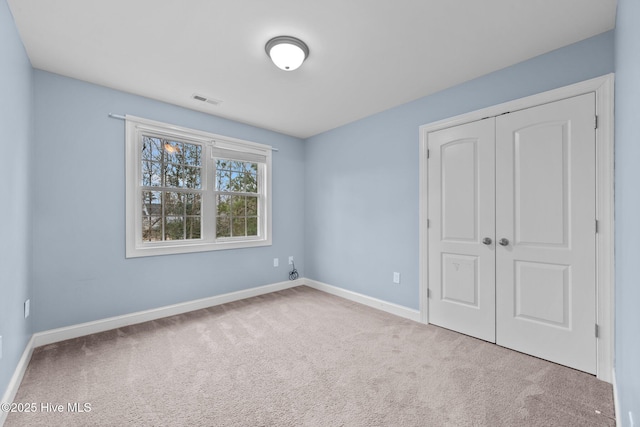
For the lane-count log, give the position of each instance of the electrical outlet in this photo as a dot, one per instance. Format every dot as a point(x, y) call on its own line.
point(27, 308)
point(396, 277)
point(291, 260)
point(276, 262)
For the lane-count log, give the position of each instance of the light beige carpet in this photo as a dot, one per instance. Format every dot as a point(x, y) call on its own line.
point(301, 357)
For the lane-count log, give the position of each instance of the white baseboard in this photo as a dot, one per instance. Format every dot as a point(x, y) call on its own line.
point(396, 309)
point(82, 329)
point(16, 379)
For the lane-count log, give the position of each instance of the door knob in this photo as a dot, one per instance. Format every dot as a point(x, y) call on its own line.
point(487, 240)
point(503, 242)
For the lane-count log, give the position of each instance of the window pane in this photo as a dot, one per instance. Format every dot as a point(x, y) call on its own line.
point(172, 174)
point(193, 229)
point(173, 151)
point(151, 228)
point(236, 181)
point(181, 176)
point(171, 163)
point(173, 204)
point(223, 205)
point(223, 226)
point(192, 177)
point(174, 228)
point(251, 183)
point(239, 226)
point(252, 206)
point(238, 206)
point(192, 204)
point(151, 174)
point(223, 180)
point(192, 154)
point(252, 226)
point(151, 203)
point(151, 149)
point(243, 180)
point(236, 176)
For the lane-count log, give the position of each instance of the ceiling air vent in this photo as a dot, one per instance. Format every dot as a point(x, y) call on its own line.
point(211, 101)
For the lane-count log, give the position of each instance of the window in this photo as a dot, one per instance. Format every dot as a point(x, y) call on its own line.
point(236, 198)
point(191, 191)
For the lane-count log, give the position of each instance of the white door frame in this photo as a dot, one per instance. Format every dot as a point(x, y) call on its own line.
point(603, 88)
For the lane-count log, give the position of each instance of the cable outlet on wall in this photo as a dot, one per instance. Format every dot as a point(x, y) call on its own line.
point(396, 277)
point(291, 260)
point(276, 262)
point(27, 308)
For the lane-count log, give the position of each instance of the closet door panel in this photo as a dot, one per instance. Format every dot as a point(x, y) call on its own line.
point(461, 214)
point(545, 212)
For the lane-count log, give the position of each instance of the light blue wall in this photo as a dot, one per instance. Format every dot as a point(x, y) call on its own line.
point(627, 223)
point(79, 268)
point(362, 179)
point(16, 103)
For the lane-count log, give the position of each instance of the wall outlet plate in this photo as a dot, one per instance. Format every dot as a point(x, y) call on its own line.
point(276, 262)
point(396, 277)
point(291, 260)
point(27, 308)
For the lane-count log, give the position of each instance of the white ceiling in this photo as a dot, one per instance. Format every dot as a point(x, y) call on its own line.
point(366, 55)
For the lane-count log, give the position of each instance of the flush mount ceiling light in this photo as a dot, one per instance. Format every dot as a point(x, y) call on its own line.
point(288, 53)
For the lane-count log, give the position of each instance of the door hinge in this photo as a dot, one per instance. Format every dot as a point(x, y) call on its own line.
point(597, 331)
point(428, 153)
point(428, 223)
point(428, 293)
point(595, 123)
point(597, 226)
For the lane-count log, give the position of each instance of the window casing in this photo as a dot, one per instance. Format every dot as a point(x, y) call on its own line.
point(192, 191)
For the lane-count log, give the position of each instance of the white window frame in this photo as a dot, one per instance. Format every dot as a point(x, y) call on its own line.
point(212, 146)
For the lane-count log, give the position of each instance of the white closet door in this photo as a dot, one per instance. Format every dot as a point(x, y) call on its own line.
point(461, 214)
point(545, 209)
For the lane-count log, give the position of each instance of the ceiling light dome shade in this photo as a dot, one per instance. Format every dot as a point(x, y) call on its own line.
point(288, 53)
